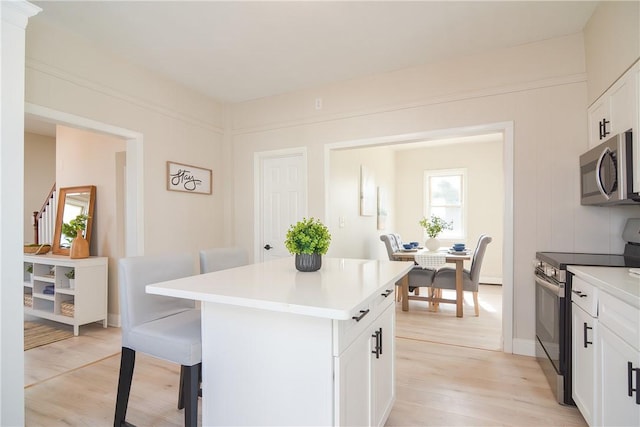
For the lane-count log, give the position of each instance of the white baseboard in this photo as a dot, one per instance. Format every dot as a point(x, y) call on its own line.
point(524, 347)
point(488, 280)
point(113, 320)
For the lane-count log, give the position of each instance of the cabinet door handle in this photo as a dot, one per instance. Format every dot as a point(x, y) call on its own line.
point(579, 293)
point(377, 349)
point(387, 293)
point(630, 389)
point(604, 127)
point(362, 314)
point(585, 335)
point(380, 335)
point(600, 126)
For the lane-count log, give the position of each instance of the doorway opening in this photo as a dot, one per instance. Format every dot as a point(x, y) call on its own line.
point(404, 141)
point(134, 210)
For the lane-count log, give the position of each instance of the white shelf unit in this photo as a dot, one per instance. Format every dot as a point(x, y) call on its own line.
point(88, 296)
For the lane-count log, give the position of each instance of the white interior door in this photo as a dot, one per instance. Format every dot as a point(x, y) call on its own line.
point(282, 200)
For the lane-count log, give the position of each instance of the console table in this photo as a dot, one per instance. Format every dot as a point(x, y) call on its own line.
point(49, 293)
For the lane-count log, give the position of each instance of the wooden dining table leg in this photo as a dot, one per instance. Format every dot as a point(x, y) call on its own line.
point(459, 288)
point(405, 292)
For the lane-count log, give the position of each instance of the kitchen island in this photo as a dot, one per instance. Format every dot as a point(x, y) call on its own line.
point(282, 347)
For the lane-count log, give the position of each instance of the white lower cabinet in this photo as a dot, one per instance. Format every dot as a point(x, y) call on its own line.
point(619, 381)
point(619, 354)
point(605, 352)
point(585, 329)
point(365, 372)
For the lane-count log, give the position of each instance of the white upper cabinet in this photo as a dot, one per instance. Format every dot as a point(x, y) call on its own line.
point(617, 110)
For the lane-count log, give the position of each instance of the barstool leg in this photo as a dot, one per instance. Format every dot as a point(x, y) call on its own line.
point(180, 388)
point(127, 363)
point(190, 394)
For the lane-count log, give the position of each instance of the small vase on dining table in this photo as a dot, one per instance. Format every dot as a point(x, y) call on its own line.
point(432, 244)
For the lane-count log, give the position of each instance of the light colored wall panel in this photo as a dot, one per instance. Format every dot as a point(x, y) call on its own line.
point(86, 158)
point(39, 176)
point(65, 73)
point(360, 237)
point(612, 43)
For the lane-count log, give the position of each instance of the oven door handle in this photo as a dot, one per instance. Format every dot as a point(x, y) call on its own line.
point(556, 289)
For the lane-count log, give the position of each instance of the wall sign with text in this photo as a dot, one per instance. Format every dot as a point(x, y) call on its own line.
point(190, 179)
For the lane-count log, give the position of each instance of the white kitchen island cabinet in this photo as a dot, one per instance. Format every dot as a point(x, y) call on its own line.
point(282, 347)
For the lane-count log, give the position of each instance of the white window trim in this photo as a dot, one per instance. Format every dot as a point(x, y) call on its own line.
point(427, 196)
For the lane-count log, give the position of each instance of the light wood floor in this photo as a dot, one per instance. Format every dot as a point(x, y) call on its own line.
point(441, 379)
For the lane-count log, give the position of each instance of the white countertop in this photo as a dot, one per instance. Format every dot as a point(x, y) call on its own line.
point(613, 280)
point(333, 292)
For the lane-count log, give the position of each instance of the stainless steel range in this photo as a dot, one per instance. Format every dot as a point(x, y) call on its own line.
point(553, 305)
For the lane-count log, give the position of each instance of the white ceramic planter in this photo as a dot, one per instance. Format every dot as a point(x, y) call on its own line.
point(432, 244)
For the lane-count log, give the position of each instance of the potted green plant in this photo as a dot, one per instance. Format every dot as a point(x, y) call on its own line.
point(29, 269)
point(308, 240)
point(71, 275)
point(433, 227)
point(74, 233)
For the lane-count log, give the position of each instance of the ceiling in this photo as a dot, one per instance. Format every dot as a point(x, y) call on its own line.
point(236, 51)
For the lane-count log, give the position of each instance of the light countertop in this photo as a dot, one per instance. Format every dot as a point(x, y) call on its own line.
point(613, 280)
point(335, 291)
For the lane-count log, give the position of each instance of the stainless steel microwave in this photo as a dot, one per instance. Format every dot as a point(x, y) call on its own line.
point(606, 173)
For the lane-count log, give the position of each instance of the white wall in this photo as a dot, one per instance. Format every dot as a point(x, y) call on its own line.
point(39, 176)
point(612, 42)
point(540, 87)
point(66, 73)
point(485, 194)
point(86, 158)
point(360, 236)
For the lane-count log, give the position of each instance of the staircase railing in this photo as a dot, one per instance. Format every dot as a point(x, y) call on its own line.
point(44, 220)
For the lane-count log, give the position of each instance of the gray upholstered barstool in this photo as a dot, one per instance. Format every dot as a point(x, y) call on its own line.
point(216, 259)
point(163, 327)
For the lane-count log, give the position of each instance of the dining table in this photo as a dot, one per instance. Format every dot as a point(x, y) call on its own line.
point(450, 257)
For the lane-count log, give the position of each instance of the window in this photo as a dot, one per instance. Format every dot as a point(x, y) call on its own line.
point(445, 196)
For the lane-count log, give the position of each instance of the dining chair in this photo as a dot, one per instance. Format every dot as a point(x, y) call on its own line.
point(445, 277)
point(216, 259)
point(163, 327)
point(418, 277)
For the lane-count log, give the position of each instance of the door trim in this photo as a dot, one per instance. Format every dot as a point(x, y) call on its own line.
point(258, 160)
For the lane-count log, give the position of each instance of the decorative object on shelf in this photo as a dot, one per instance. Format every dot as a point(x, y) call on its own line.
point(73, 201)
point(35, 249)
point(71, 275)
point(29, 270)
point(67, 308)
point(187, 178)
point(433, 227)
point(308, 240)
point(75, 230)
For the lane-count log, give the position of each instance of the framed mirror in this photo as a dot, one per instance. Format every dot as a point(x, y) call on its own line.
point(73, 201)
